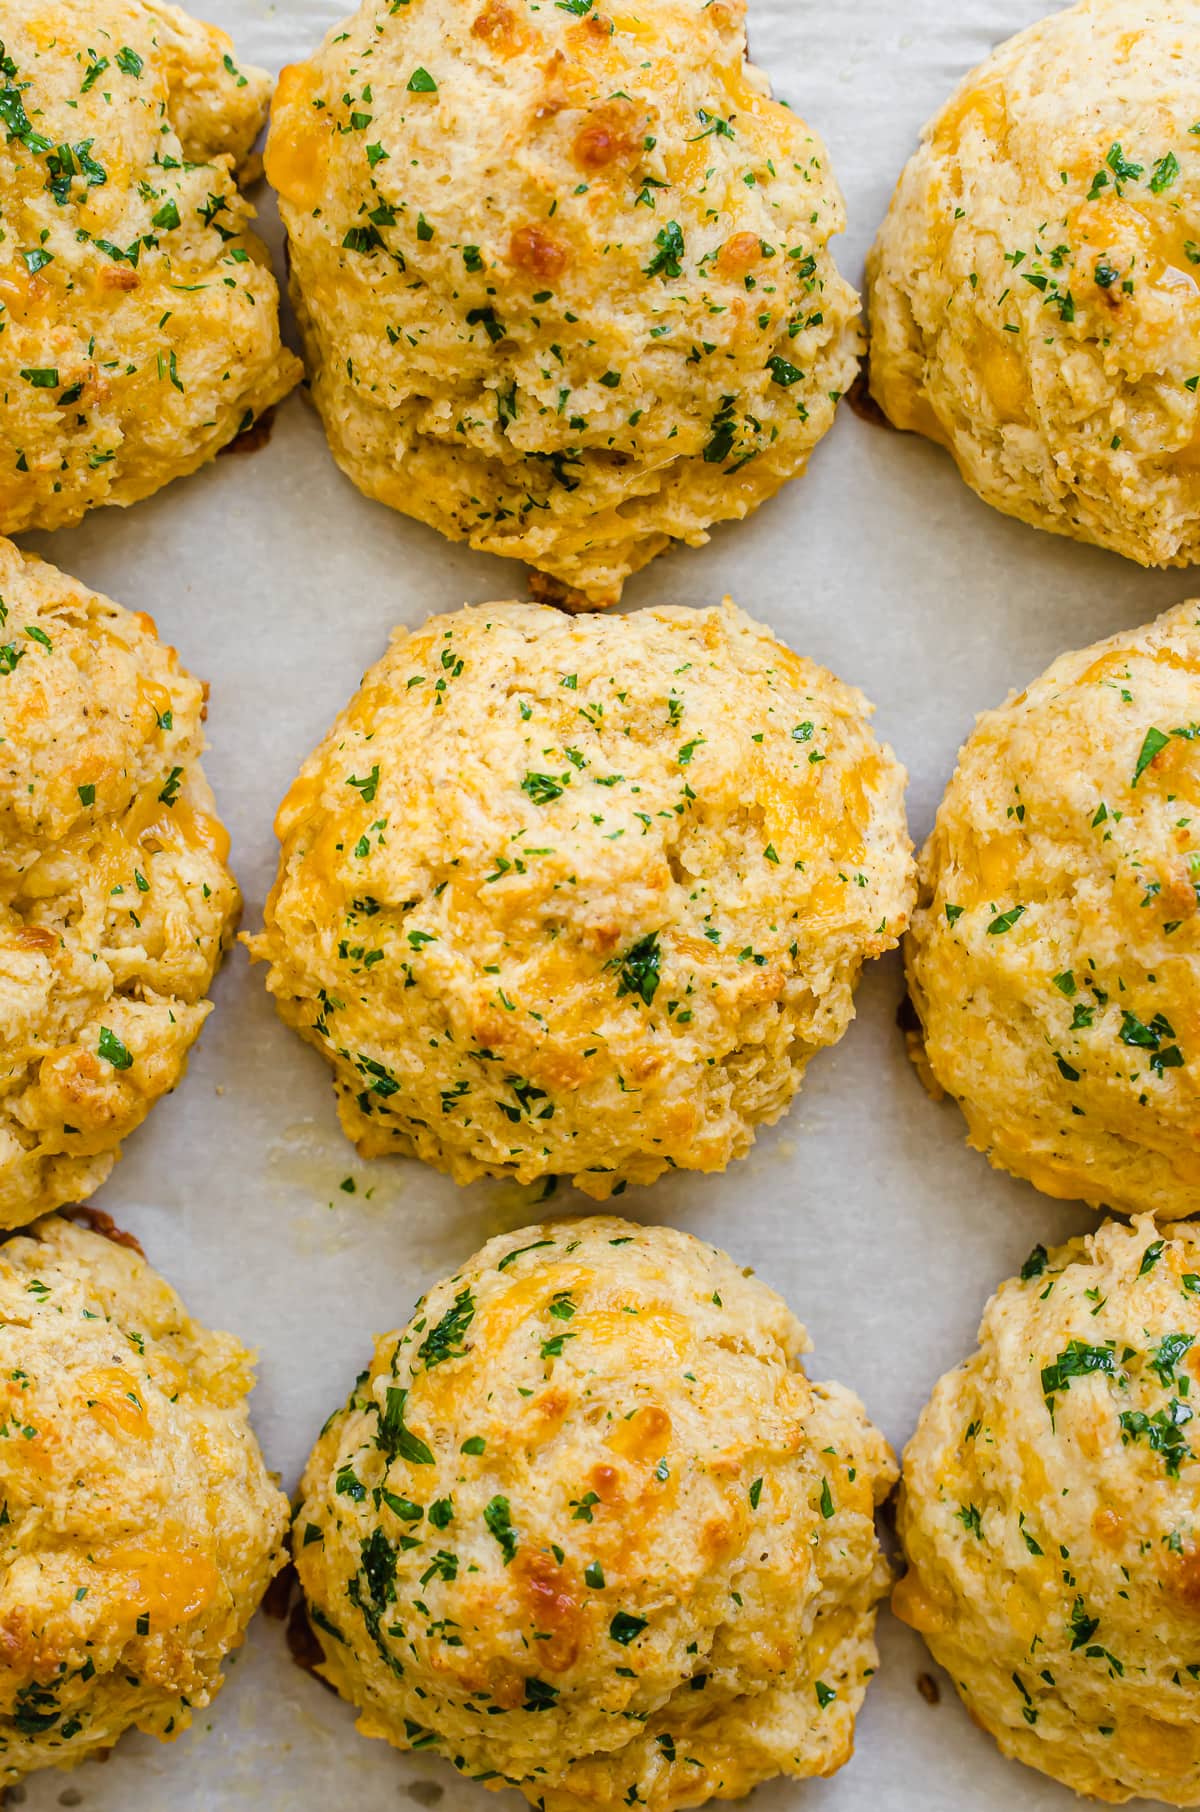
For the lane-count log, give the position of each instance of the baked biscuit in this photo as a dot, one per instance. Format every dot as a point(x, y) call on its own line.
point(583, 895)
point(115, 899)
point(1054, 956)
point(139, 319)
point(564, 275)
point(1034, 290)
point(140, 1526)
point(1048, 1513)
point(586, 1526)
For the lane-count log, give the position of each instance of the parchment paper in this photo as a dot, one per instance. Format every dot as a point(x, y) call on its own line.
point(279, 584)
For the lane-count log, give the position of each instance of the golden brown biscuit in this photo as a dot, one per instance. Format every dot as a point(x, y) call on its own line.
point(139, 320)
point(1054, 956)
point(1049, 1516)
point(140, 1527)
point(583, 895)
point(564, 275)
point(585, 1525)
point(115, 899)
point(1035, 290)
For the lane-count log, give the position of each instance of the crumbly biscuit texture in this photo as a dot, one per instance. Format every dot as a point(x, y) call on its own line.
point(115, 899)
point(1054, 956)
point(139, 319)
point(1049, 1515)
point(140, 1527)
point(563, 272)
point(585, 1527)
point(582, 896)
point(1034, 290)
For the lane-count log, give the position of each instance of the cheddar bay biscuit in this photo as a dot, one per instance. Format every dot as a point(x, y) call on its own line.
point(1049, 1515)
point(1035, 289)
point(582, 896)
point(140, 1526)
point(563, 273)
point(1054, 956)
point(116, 901)
point(585, 1527)
point(139, 319)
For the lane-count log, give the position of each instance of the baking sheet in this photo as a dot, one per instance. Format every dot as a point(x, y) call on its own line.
point(279, 584)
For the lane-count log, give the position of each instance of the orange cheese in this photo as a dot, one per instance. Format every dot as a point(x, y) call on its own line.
point(164, 1584)
point(110, 1395)
point(297, 154)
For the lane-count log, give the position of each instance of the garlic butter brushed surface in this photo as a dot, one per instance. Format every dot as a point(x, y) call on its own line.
point(140, 1527)
point(564, 276)
point(585, 1525)
point(116, 901)
point(1035, 289)
point(582, 896)
point(139, 317)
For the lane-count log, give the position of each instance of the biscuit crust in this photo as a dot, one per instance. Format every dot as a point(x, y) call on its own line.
point(582, 896)
point(116, 901)
point(643, 1545)
point(139, 319)
point(1033, 291)
point(1054, 955)
point(564, 275)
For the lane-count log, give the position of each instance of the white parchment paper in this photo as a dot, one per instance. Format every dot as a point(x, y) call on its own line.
point(279, 584)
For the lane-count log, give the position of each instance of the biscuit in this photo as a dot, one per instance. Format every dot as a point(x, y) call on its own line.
point(1034, 289)
point(585, 1525)
point(564, 276)
point(139, 319)
point(582, 896)
point(116, 901)
point(1048, 1516)
point(1052, 958)
point(140, 1527)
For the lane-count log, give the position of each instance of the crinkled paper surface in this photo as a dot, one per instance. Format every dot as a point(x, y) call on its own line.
point(279, 585)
